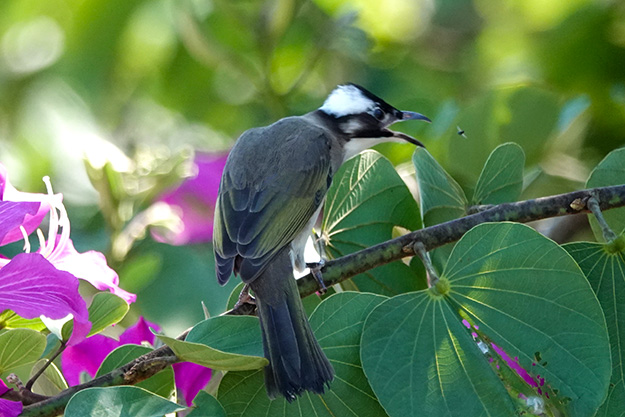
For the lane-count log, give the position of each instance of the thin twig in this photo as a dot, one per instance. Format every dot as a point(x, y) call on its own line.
point(45, 366)
point(607, 232)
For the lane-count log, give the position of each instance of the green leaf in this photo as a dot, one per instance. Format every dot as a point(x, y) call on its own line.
point(501, 180)
point(229, 343)
point(337, 323)
point(10, 320)
point(20, 347)
point(106, 309)
point(366, 201)
point(51, 382)
point(610, 171)
point(526, 295)
point(234, 296)
point(205, 405)
point(605, 271)
point(442, 199)
point(161, 384)
point(124, 401)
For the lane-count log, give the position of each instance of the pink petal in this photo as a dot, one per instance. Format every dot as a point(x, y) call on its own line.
point(3, 388)
point(196, 198)
point(190, 379)
point(31, 286)
point(86, 356)
point(139, 333)
point(13, 214)
point(514, 365)
point(10, 408)
point(90, 266)
point(31, 220)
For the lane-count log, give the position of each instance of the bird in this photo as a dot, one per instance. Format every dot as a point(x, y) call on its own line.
point(271, 193)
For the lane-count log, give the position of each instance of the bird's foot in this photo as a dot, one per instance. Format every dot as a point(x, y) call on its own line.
point(245, 297)
point(315, 270)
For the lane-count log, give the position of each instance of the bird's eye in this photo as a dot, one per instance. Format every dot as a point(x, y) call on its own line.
point(378, 113)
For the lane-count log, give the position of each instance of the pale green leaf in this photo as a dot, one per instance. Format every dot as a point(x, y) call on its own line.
point(229, 343)
point(51, 382)
point(20, 347)
point(10, 320)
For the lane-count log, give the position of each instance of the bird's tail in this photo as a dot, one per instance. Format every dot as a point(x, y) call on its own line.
point(296, 361)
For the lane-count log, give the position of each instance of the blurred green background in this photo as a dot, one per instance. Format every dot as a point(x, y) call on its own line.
point(128, 82)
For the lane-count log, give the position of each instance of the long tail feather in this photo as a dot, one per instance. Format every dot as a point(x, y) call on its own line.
point(296, 361)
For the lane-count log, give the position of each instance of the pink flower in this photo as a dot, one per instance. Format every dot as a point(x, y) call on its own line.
point(31, 286)
point(45, 283)
point(86, 356)
point(195, 200)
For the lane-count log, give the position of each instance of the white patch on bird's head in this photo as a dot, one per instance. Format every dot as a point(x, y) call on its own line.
point(345, 100)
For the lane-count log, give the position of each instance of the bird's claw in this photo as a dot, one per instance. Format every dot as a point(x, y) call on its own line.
point(245, 297)
point(315, 270)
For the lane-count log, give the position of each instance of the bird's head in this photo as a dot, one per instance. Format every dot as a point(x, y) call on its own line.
point(358, 113)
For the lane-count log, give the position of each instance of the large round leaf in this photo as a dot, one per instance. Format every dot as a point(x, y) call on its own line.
point(367, 199)
point(605, 271)
point(337, 323)
point(527, 296)
point(124, 401)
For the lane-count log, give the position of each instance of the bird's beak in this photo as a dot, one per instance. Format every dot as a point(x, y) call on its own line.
point(409, 115)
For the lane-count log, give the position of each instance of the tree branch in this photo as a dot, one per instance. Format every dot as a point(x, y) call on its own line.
point(132, 373)
point(347, 266)
point(432, 237)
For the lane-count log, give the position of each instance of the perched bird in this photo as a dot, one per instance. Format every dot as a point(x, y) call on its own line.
point(271, 193)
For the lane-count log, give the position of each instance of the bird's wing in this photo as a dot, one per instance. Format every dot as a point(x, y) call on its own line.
point(261, 207)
